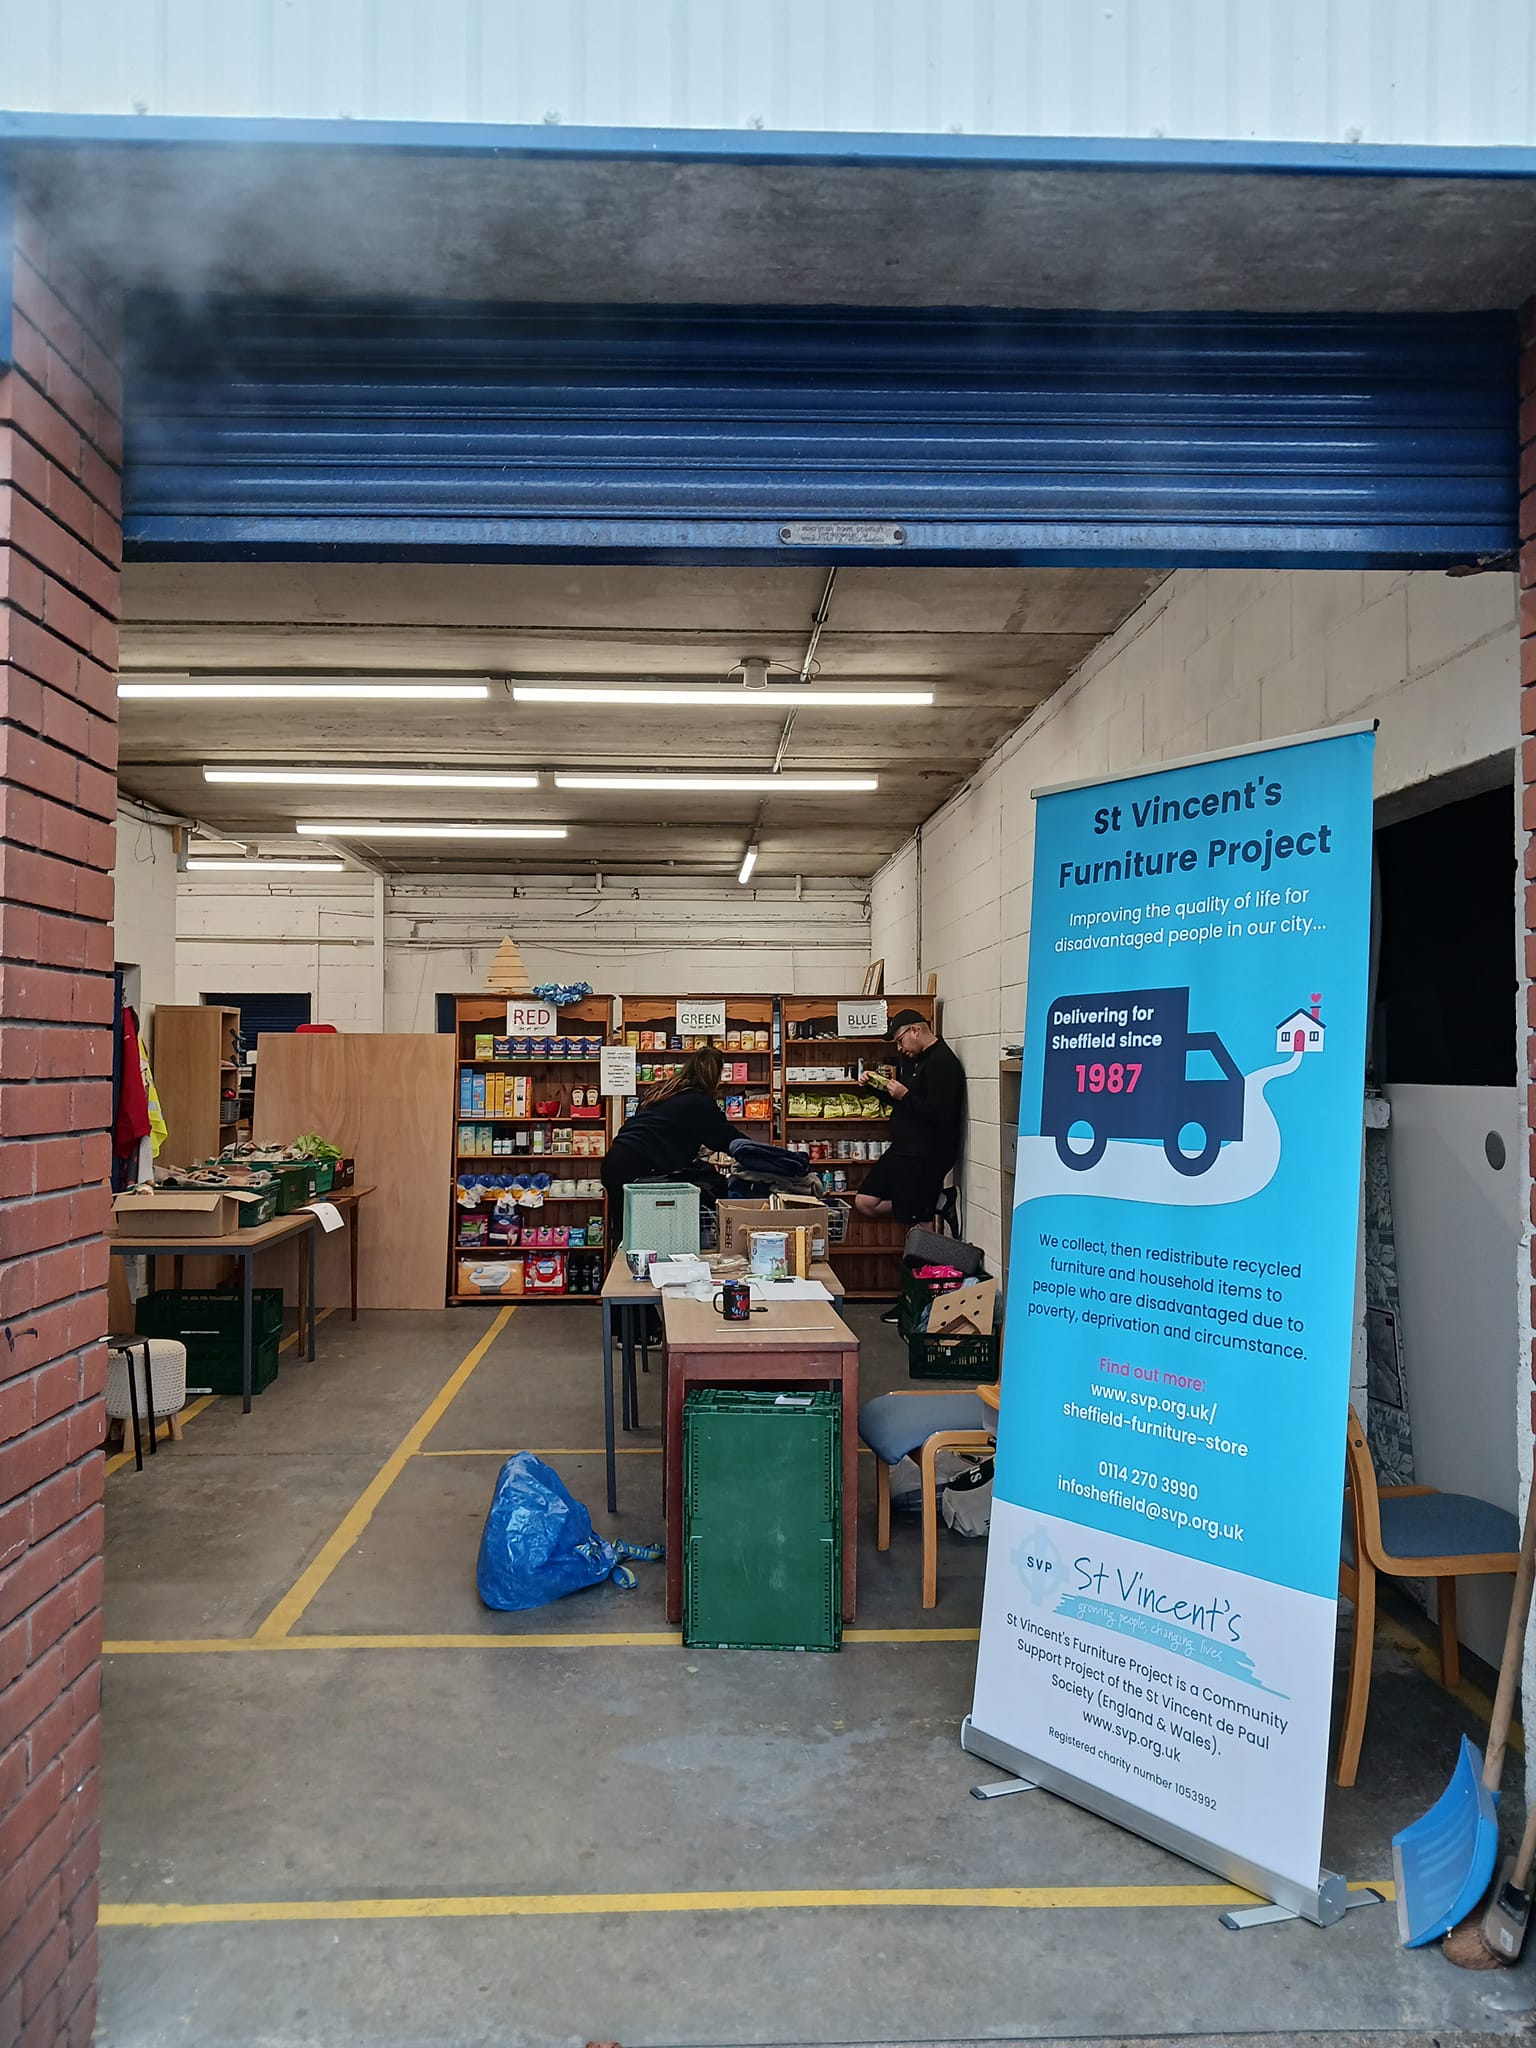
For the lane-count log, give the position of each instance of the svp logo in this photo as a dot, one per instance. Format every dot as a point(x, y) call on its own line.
point(1039, 1565)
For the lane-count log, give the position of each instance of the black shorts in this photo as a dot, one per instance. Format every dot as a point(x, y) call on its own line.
point(911, 1186)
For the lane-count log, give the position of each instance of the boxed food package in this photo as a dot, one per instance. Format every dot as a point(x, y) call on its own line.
point(738, 1218)
point(491, 1276)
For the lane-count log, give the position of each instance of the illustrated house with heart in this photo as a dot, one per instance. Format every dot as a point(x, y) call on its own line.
point(1302, 1031)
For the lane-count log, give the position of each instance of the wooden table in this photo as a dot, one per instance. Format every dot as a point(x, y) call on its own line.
point(244, 1246)
point(623, 1303)
point(794, 1343)
point(348, 1198)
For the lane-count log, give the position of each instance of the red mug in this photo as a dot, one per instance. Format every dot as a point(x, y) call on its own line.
point(734, 1301)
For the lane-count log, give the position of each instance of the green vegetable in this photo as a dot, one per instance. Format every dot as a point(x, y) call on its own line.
point(312, 1146)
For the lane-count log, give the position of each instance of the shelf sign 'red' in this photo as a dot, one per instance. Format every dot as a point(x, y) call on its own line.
point(863, 1019)
point(531, 1020)
point(701, 1020)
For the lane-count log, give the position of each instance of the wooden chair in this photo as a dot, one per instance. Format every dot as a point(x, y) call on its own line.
point(1408, 1532)
point(891, 1444)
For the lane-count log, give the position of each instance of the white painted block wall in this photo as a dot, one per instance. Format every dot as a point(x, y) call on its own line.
point(144, 912)
point(322, 936)
point(1213, 658)
point(286, 935)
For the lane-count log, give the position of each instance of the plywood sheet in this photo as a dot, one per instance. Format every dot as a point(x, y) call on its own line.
point(386, 1099)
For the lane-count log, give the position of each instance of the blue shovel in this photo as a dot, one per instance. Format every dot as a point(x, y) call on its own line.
point(1444, 1861)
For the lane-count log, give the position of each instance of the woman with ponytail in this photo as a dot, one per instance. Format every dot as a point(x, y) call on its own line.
point(677, 1118)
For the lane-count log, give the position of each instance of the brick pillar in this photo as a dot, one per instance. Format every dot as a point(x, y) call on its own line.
point(60, 453)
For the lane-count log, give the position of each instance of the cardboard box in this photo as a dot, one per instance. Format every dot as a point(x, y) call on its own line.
point(176, 1213)
point(737, 1219)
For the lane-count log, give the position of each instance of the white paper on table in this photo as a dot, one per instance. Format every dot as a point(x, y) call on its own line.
point(760, 1290)
point(684, 1272)
point(330, 1216)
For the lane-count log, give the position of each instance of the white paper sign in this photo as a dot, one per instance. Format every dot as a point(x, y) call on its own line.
point(701, 1020)
point(863, 1019)
point(330, 1216)
point(616, 1070)
point(531, 1020)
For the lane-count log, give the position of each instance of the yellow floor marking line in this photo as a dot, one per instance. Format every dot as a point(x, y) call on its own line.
point(551, 1639)
point(293, 1603)
point(195, 1408)
point(162, 1432)
point(1427, 1657)
point(566, 1451)
point(545, 1905)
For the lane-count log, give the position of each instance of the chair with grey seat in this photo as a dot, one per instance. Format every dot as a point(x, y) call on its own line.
point(921, 1424)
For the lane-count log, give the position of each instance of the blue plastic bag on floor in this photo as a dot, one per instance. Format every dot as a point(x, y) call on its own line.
point(538, 1543)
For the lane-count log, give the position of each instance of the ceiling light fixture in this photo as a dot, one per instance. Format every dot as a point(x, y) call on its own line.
point(749, 863)
point(796, 785)
point(379, 830)
point(202, 866)
point(368, 778)
point(793, 697)
point(260, 689)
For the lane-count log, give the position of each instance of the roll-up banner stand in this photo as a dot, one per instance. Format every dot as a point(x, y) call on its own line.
point(1157, 1637)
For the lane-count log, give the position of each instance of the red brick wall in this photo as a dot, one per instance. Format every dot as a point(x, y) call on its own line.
point(60, 451)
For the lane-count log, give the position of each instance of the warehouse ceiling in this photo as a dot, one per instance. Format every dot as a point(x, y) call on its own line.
point(991, 643)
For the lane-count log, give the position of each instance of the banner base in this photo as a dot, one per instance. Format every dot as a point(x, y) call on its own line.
point(1324, 1903)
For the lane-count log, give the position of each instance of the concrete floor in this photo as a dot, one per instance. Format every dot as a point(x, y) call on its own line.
point(448, 1810)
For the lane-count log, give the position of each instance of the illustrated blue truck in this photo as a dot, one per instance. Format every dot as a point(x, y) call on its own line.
point(1107, 1078)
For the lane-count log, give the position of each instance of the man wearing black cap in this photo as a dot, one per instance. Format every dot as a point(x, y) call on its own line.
point(927, 1125)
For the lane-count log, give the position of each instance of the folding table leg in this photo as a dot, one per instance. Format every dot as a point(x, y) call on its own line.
point(245, 1332)
point(608, 1450)
point(314, 1232)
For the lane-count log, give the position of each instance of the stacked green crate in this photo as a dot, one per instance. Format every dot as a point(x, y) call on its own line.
point(762, 1520)
point(209, 1325)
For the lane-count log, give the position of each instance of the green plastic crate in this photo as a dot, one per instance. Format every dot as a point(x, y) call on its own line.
point(295, 1185)
point(952, 1358)
point(215, 1368)
point(942, 1358)
point(762, 1520)
point(196, 1314)
point(661, 1216)
point(254, 1213)
point(325, 1176)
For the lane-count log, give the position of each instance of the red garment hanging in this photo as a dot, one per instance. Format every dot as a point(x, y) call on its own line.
point(132, 1121)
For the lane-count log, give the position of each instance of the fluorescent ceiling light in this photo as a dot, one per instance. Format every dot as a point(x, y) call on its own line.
point(261, 690)
point(203, 866)
point(790, 784)
point(775, 698)
point(369, 778)
point(749, 863)
point(383, 831)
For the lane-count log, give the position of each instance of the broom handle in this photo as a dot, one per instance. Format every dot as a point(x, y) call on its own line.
point(1514, 1646)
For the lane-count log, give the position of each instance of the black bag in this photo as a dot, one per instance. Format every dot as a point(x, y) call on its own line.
point(928, 1248)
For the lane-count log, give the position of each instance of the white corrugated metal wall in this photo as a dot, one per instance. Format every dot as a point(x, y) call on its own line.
point(1377, 71)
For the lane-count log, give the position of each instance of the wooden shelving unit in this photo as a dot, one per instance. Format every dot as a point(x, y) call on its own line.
point(642, 1015)
point(552, 1078)
point(197, 1078)
point(868, 1261)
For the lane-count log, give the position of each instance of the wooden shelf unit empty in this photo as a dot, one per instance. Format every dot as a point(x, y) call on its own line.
point(196, 1047)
